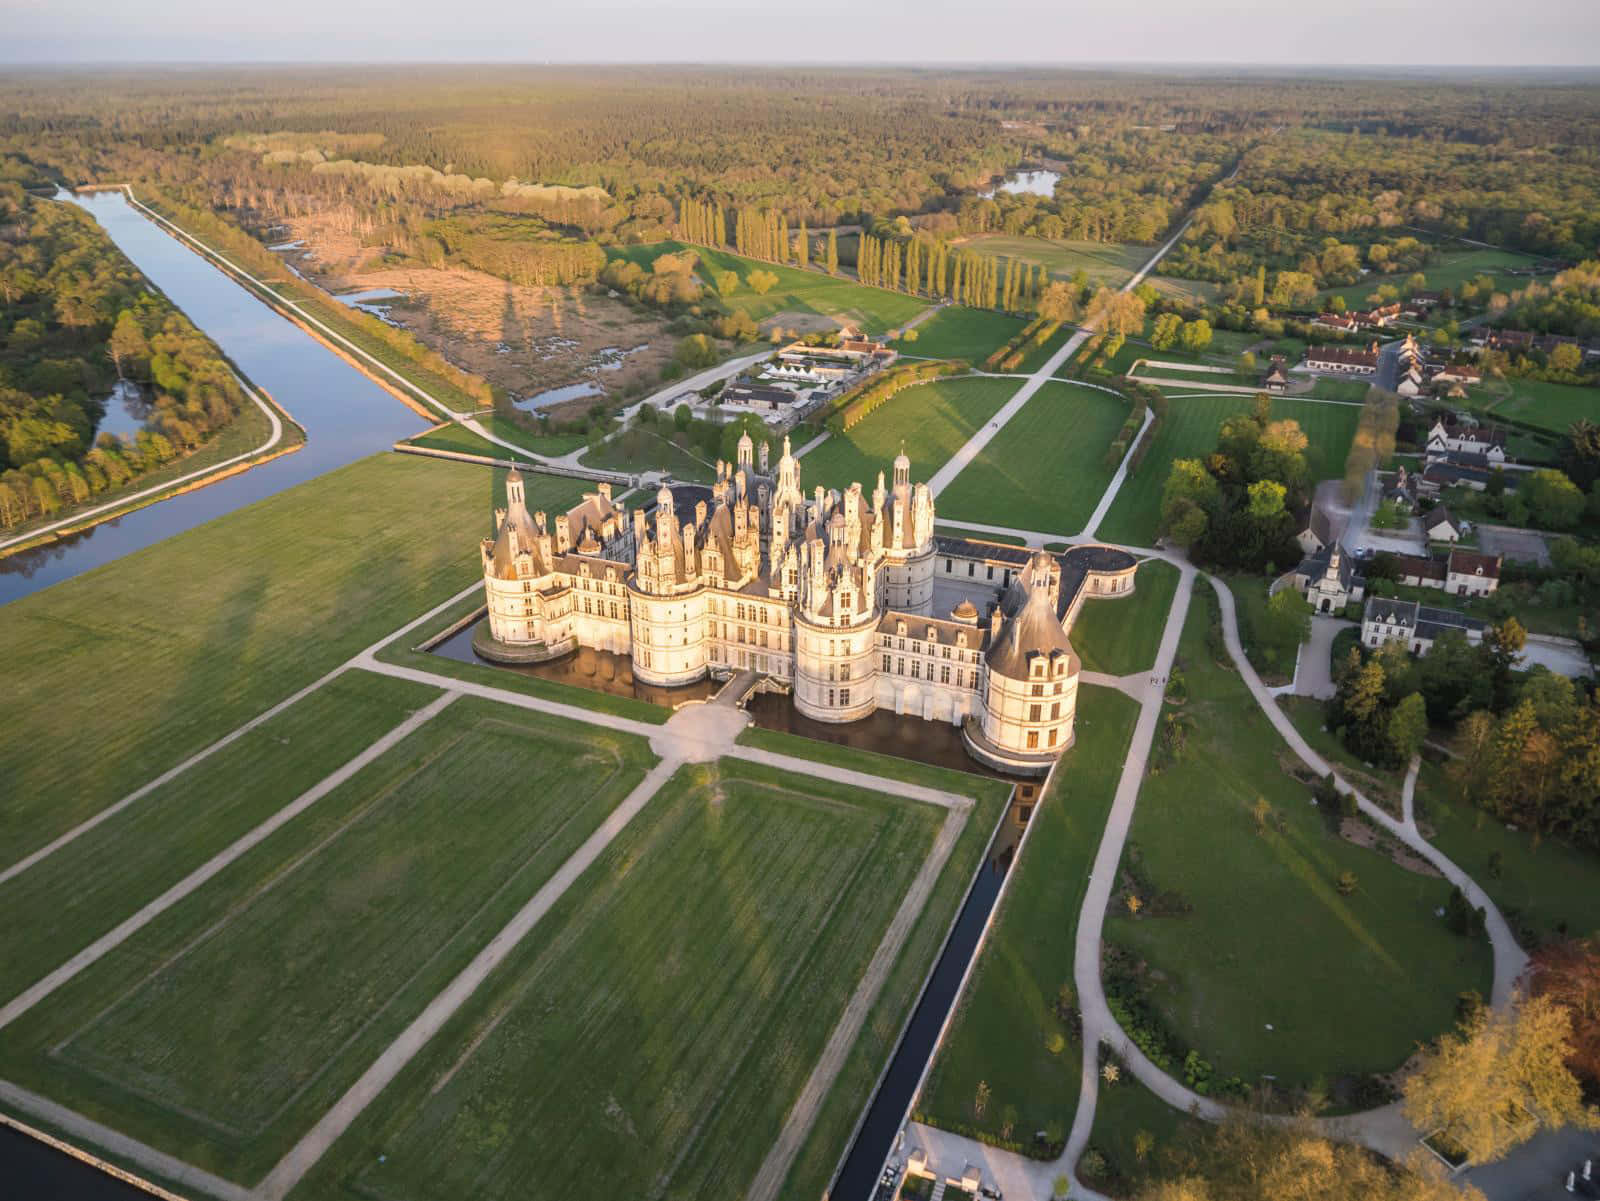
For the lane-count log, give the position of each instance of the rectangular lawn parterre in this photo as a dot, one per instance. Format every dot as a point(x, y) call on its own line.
point(225, 1028)
point(1120, 635)
point(1269, 967)
point(1002, 1029)
point(931, 420)
point(67, 900)
point(652, 1033)
point(116, 675)
point(957, 332)
point(1191, 431)
point(1550, 406)
point(1045, 470)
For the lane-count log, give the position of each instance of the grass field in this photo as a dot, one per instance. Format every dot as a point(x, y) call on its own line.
point(1191, 430)
point(957, 332)
point(1121, 636)
point(225, 1028)
point(1550, 406)
point(1045, 470)
point(94, 882)
point(651, 1034)
point(932, 420)
point(1110, 263)
point(1124, 1109)
point(843, 300)
point(455, 437)
point(1450, 269)
point(125, 670)
point(1006, 1015)
point(637, 451)
point(1271, 969)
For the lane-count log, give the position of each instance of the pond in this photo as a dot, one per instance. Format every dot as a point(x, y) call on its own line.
point(555, 396)
point(1032, 182)
point(126, 411)
point(346, 415)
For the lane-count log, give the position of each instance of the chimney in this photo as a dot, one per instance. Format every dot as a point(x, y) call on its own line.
point(700, 513)
point(605, 490)
point(563, 533)
point(766, 451)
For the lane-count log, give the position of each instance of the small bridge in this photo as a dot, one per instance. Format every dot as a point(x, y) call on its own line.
point(738, 689)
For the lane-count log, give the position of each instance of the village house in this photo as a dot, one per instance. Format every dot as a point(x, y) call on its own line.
point(1442, 526)
point(1415, 625)
point(1329, 579)
point(1341, 322)
point(1343, 360)
point(1316, 529)
point(1459, 572)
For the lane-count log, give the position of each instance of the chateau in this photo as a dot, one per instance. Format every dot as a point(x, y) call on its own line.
point(849, 602)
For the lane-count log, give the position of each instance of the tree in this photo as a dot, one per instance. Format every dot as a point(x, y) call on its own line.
point(1285, 624)
point(1408, 726)
point(831, 259)
point(1164, 333)
point(1116, 312)
point(1568, 973)
point(1266, 501)
point(1196, 335)
point(127, 346)
point(727, 281)
point(1568, 356)
point(1491, 1084)
point(761, 281)
point(980, 1099)
point(682, 416)
point(1553, 500)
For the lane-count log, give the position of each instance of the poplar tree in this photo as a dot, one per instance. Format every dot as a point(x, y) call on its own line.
point(802, 247)
point(783, 247)
point(832, 260)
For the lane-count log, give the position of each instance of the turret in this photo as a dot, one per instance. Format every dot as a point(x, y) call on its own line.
point(746, 451)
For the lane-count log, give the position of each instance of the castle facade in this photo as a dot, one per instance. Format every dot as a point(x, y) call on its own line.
point(848, 601)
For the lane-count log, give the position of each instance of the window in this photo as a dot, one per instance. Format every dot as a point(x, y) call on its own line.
point(1033, 712)
point(916, 669)
point(830, 696)
point(1052, 736)
point(1036, 690)
point(990, 570)
point(944, 673)
point(1059, 686)
point(901, 669)
point(844, 696)
point(949, 566)
point(1055, 711)
point(960, 678)
point(527, 585)
point(886, 662)
point(844, 671)
point(1033, 740)
point(972, 568)
point(763, 638)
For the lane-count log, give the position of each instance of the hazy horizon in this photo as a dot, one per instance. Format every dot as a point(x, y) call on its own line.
point(1557, 34)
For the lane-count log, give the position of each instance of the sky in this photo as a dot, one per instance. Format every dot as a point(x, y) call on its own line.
point(1297, 34)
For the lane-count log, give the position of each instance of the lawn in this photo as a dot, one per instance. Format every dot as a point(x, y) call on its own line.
point(957, 332)
point(225, 1028)
point(87, 887)
point(651, 1034)
point(453, 436)
point(1006, 1016)
point(1045, 470)
point(932, 421)
point(1122, 1111)
point(638, 450)
point(1550, 406)
point(1191, 430)
point(1121, 635)
point(874, 309)
point(1545, 887)
point(119, 673)
point(1267, 967)
point(1449, 269)
point(1110, 263)
point(1274, 661)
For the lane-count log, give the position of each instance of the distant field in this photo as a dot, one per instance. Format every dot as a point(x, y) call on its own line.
point(1550, 406)
point(1191, 430)
point(672, 1004)
point(313, 954)
point(933, 421)
point(957, 332)
point(1111, 263)
point(1195, 291)
point(1451, 269)
point(128, 669)
point(1120, 635)
point(1045, 470)
point(842, 300)
point(638, 451)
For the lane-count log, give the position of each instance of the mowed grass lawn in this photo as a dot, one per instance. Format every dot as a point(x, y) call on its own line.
point(1006, 1017)
point(1450, 269)
point(651, 1035)
point(118, 674)
point(454, 436)
point(1272, 970)
point(67, 900)
point(639, 450)
point(223, 1030)
point(1111, 263)
point(957, 332)
point(1120, 635)
point(933, 421)
point(1190, 431)
point(843, 300)
point(1045, 470)
point(1550, 406)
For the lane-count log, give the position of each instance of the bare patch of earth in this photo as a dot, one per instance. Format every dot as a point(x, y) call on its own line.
point(1365, 834)
point(799, 323)
point(526, 340)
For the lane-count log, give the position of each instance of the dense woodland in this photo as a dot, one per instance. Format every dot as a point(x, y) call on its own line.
point(76, 318)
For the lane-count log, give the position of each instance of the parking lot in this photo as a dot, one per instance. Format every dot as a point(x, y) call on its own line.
point(1512, 544)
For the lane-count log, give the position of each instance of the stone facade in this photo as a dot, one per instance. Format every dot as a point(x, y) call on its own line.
point(847, 600)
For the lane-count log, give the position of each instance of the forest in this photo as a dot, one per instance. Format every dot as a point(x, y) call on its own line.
point(77, 318)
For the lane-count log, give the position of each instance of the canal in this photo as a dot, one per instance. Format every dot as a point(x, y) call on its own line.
point(346, 416)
